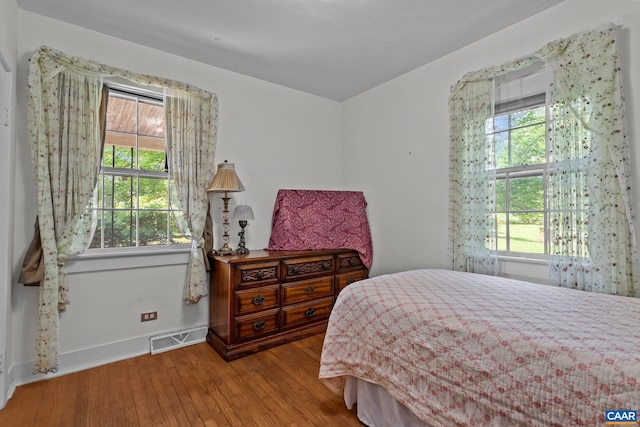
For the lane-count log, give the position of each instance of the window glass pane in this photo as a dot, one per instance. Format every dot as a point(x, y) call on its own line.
point(152, 160)
point(151, 119)
point(107, 225)
point(500, 123)
point(121, 114)
point(528, 145)
point(107, 156)
point(153, 194)
point(105, 192)
point(526, 194)
point(123, 228)
point(153, 228)
point(527, 236)
point(124, 192)
point(501, 241)
point(501, 195)
point(528, 117)
point(118, 157)
point(501, 148)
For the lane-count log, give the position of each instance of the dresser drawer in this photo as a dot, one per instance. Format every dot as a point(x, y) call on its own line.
point(255, 299)
point(253, 325)
point(301, 268)
point(306, 312)
point(304, 290)
point(257, 274)
point(344, 280)
point(348, 262)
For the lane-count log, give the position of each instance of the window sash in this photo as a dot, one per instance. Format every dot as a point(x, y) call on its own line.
point(508, 174)
point(105, 210)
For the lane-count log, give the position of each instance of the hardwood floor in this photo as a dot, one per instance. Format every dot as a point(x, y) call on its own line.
point(191, 386)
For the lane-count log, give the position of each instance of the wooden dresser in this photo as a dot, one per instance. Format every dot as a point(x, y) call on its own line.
point(267, 298)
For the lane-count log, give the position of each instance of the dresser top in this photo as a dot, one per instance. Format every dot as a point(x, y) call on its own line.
point(260, 254)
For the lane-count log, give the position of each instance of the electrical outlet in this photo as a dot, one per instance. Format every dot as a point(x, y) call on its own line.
point(145, 317)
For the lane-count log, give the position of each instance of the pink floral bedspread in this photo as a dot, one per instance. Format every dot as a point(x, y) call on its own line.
point(474, 350)
point(321, 219)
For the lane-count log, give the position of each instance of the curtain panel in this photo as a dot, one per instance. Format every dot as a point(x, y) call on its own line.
point(592, 237)
point(66, 128)
point(588, 140)
point(191, 136)
point(66, 147)
point(471, 218)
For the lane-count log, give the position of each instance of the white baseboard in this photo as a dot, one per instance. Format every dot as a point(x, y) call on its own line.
point(80, 360)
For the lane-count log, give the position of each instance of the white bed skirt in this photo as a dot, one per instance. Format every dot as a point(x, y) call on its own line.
point(375, 407)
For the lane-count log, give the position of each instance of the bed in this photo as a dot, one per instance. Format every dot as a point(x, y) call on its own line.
point(438, 347)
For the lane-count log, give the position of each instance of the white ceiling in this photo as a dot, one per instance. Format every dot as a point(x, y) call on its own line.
point(331, 48)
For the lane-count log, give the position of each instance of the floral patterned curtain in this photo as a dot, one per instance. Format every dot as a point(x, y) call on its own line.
point(471, 218)
point(593, 244)
point(191, 141)
point(592, 237)
point(66, 148)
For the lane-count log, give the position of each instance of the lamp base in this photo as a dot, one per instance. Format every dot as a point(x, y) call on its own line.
point(242, 249)
point(224, 251)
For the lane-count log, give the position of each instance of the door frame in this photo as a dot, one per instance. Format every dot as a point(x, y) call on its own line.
point(7, 142)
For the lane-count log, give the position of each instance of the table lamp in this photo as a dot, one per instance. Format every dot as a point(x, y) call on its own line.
point(243, 214)
point(225, 181)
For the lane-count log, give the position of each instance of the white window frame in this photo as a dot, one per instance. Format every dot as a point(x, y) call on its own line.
point(524, 90)
point(523, 171)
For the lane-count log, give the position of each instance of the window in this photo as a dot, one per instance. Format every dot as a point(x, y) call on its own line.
point(517, 133)
point(136, 203)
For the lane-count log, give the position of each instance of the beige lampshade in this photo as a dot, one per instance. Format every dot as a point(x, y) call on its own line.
point(226, 179)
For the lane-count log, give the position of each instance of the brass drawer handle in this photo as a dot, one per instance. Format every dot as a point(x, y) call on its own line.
point(258, 326)
point(350, 281)
point(310, 313)
point(260, 274)
point(326, 265)
point(296, 270)
point(258, 300)
point(309, 290)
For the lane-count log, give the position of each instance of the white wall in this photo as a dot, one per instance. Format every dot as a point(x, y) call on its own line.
point(8, 61)
point(277, 137)
point(397, 134)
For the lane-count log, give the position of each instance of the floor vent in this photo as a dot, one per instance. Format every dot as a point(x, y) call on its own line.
point(178, 339)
